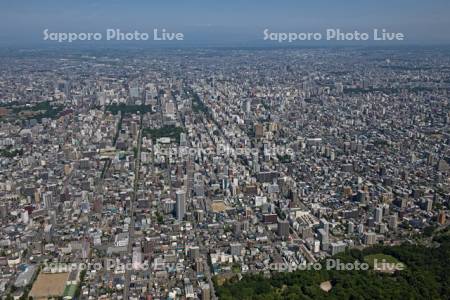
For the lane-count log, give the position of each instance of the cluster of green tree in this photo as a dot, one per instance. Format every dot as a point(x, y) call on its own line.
point(284, 158)
point(43, 110)
point(128, 108)
point(78, 290)
point(51, 113)
point(159, 218)
point(425, 277)
point(9, 104)
point(387, 90)
point(171, 131)
point(265, 105)
point(371, 89)
point(10, 153)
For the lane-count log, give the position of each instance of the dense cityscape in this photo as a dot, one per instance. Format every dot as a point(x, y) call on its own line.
point(173, 174)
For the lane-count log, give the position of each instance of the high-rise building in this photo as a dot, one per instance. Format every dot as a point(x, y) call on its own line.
point(338, 247)
point(324, 241)
point(48, 199)
point(4, 211)
point(350, 227)
point(199, 215)
point(199, 265)
point(180, 210)
point(325, 225)
point(393, 220)
point(369, 238)
point(427, 204)
point(206, 292)
point(378, 215)
point(360, 228)
point(183, 139)
point(283, 228)
point(168, 205)
point(237, 228)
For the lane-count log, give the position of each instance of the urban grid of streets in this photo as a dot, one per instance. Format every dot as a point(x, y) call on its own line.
point(160, 172)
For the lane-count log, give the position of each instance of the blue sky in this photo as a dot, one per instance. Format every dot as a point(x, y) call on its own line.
point(423, 22)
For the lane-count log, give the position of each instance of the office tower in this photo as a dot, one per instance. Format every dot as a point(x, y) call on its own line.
point(378, 215)
point(183, 139)
point(199, 215)
point(323, 237)
point(206, 292)
point(360, 228)
point(246, 225)
point(283, 229)
point(180, 210)
point(48, 199)
point(325, 225)
point(168, 205)
point(237, 228)
point(199, 190)
point(4, 211)
point(386, 209)
point(393, 221)
point(350, 227)
point(199, 265)
point(48, 232)
point(338, 247)
point(369, 238)
point(427, 204)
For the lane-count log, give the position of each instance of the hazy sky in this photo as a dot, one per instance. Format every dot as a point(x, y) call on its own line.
point(227, 21)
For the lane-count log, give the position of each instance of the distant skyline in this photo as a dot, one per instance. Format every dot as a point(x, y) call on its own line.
point(224, 22)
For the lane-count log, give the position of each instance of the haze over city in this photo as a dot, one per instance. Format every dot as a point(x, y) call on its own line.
point(229, 23)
